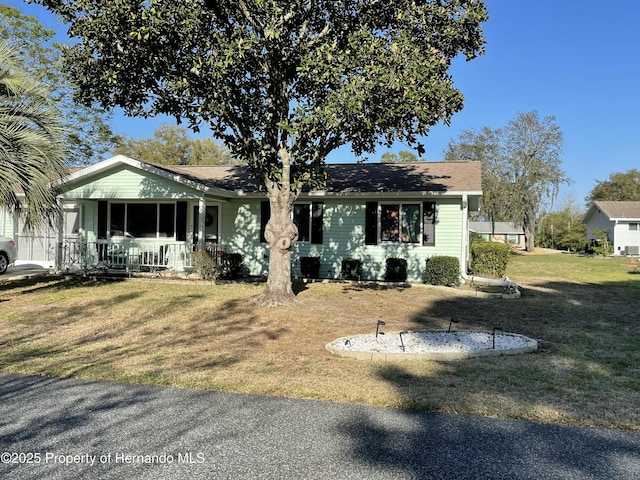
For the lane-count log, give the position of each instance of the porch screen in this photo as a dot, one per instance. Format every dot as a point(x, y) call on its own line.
point(102, 219)
point(141, 220)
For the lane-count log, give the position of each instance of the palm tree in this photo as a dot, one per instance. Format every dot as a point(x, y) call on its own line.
point(32, 154)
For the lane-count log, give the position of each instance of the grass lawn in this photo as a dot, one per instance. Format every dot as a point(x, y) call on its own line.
point(584, 311)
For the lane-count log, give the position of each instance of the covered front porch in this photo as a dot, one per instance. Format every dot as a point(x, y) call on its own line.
point(126, 255)
point(130, 235)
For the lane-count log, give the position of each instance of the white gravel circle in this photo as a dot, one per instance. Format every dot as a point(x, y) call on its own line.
point(432, 344)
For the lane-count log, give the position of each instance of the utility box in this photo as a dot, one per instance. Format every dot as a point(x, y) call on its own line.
point(632, 250)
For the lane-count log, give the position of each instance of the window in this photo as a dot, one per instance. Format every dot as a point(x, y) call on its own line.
point(71, 221)
point(140, 220)
point(633, 227)
point(513, 239)
point(308, 217)
point(400, 223)
point(302, 218)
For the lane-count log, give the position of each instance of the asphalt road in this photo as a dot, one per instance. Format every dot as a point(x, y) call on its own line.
point(73, 429)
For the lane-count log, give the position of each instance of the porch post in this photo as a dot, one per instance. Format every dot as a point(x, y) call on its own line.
point(202, 214)
point(60, 235)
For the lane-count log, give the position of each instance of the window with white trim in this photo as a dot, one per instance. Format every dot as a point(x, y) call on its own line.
point(409, 222)
point(400, 222)
point(309, 219)
point(302, 219)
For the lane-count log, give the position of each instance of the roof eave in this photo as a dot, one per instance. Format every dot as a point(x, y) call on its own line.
point(422, 193)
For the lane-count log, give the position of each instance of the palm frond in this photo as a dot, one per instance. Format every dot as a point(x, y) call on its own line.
point(32, 153)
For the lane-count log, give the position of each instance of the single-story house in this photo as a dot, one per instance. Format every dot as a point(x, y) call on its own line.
point(503, 232)
point(621, 220)
point(133, 214)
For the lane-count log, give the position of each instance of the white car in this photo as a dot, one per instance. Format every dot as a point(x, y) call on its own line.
point(8, 253)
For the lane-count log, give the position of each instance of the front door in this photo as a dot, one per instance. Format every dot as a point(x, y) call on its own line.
point(211, 227)
point(73, 254)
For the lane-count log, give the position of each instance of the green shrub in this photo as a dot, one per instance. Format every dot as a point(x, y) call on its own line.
point(475, 238)
point(310, 267)
point(396, 270)
point(205, 265)
point(231, 265)
point(351, 269)
point(489, 259)
point(442, 270)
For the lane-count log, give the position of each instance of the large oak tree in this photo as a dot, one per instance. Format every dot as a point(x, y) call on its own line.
point(281, 82)
point(621, 186)
point(521, 168)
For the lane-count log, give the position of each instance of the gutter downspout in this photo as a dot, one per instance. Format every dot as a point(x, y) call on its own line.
point(464, 257)
point(464, 254)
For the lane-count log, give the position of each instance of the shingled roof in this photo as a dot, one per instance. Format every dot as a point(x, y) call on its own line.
point(499, 228)
point(619, 210)
point(437, 177)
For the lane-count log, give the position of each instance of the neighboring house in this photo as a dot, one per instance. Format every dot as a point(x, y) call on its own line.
point(128, 213)
point(503, 232)
point(621, 219)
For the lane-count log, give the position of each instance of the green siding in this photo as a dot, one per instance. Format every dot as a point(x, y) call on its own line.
point(6, 223)
point(90, 221)
point(344, 238)
point(126, 182)
point(240, 233)
point(343, 226)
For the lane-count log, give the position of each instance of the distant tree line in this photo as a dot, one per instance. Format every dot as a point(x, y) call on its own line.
point(172, 145)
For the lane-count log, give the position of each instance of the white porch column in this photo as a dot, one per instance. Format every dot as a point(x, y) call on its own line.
point(60, 236)
point(202, 215)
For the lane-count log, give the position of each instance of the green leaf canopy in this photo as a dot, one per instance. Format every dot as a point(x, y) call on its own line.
point(270, 76)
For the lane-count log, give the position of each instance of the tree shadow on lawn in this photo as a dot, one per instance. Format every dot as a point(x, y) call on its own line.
point(42, 283)
point(159, 338)
point(375, 286)
point(591, 331)
point(588, 347)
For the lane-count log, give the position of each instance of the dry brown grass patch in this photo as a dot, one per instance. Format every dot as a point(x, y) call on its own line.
point(211, 336)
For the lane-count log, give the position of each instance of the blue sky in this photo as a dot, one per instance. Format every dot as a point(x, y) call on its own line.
point(577, 60)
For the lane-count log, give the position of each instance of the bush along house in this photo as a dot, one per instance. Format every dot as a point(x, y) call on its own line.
point(130, 214)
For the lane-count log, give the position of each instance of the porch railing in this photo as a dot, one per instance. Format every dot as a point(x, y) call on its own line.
point(128, 255)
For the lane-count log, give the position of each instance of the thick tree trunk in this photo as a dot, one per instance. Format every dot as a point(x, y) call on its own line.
point(529, 237)
point(281, 234)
